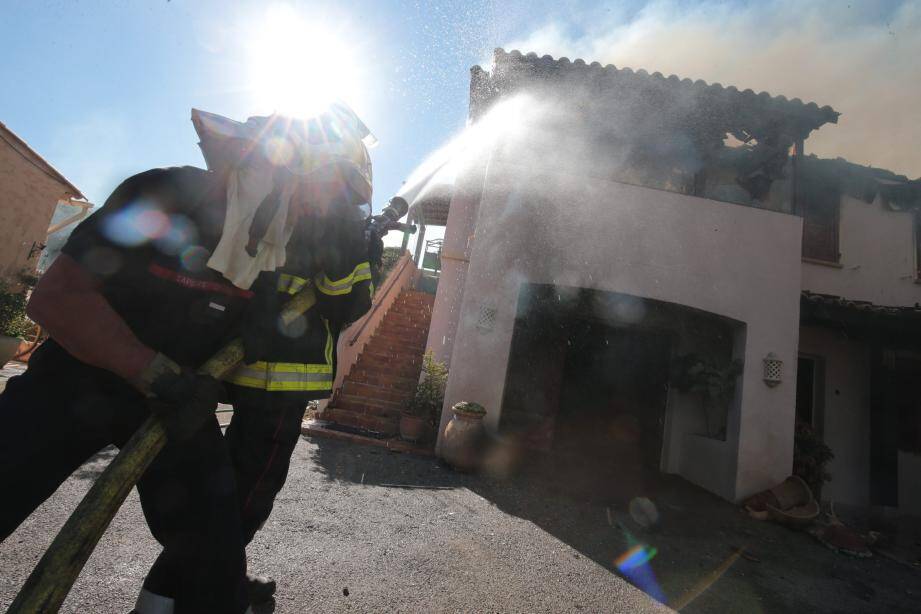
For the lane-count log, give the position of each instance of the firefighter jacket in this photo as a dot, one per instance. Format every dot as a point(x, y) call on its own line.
point(148, 246)
point(299, 358)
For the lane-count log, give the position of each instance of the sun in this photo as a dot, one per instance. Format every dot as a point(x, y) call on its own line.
point(297, 67)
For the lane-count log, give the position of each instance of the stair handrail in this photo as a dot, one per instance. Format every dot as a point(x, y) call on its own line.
point(405, 259)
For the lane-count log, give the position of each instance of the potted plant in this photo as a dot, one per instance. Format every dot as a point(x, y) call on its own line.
point(13, 322)
point(715, 384)
point(424, 408)
point(463, 437)
point(810, 458)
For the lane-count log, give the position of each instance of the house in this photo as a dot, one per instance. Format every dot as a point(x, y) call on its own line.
point(608, 229)
point(859, 344)
point(31, 191)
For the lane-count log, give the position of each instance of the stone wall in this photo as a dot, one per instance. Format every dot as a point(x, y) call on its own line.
point(28, 197)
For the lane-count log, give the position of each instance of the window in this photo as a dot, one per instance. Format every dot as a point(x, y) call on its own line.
point(820, 227)
point(810, 382)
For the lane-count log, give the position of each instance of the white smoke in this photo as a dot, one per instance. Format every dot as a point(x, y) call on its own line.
point(863, 60)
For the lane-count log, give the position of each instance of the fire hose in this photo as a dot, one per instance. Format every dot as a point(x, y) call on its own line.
point(49, 583)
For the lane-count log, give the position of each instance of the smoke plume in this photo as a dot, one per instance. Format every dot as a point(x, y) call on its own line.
point(858, 57)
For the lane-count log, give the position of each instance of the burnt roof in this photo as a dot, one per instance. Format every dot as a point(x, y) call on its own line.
point(866, 183)
point(862, 319)
point(512, 71)
point(830, 300)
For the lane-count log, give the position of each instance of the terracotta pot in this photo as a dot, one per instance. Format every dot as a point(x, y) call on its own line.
point(412, 428)
point(462, 443)
point(9, 347)
point(792, 492)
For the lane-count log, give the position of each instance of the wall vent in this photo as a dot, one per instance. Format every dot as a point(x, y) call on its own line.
point(486, 320)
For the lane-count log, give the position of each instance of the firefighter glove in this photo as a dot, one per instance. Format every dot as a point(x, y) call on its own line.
point(375, 257)
point(184, 401)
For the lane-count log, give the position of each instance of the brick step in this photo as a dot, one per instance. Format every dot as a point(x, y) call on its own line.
point(360, 407)
point(402, 338)
point(369, 391)
point(391, 335)
point(406, 341)
point(404, 331)
point(322, 429)
point(412, 318)
point(410, 304)
point(381, 379)
point(405, 322)
point(408, 313)
point(389, 370)
point(400, 354)
point(419, 296)
point(379, 424)
point(373, 406)
point(394, 348)
point(408, 316)
point(396, 327)
point(413, 305)
point(388, 359)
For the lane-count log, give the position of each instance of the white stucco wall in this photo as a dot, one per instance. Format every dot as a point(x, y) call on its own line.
point(455, 257)
point(877, 248)
point(739, 262)
point(846, 415)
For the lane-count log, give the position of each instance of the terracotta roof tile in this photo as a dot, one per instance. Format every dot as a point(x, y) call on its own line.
point(506, 63)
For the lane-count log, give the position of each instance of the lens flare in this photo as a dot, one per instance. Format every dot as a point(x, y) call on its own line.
point(136, 224)
point(180, 233)
point(634, 565)
point(634, 557)
point(298, 67)
point(194, 258)
point(278, 151)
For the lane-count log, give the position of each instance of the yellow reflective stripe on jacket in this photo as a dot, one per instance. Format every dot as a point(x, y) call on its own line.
point(329, 344)
point(338, 287)
point(283, 376)
point(291, 284)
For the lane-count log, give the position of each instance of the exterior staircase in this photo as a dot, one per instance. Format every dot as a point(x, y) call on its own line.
point(383, 379)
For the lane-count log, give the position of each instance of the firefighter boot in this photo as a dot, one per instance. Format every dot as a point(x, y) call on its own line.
point(259, 588)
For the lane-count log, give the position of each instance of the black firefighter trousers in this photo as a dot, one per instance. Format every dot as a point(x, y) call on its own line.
point(261, 438)
point(51, 422)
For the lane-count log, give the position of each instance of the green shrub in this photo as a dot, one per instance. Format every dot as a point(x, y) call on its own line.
point(430, 391)
point(13, 320)
point(389, 260)
point(715, 384)
point(810, 458)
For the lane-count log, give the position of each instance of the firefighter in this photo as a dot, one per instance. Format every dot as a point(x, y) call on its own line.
point(286, 366)
point(136, 302)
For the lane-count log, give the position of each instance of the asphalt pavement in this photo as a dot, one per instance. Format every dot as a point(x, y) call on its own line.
point(356, 530)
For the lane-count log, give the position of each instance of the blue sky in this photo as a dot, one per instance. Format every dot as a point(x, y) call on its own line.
point(104, 89)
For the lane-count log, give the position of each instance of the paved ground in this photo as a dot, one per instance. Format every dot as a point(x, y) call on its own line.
point(404, 534)
point(401, 533)
point(10, 369)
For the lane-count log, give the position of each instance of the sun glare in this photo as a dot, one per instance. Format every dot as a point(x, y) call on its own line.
point(297, 67)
